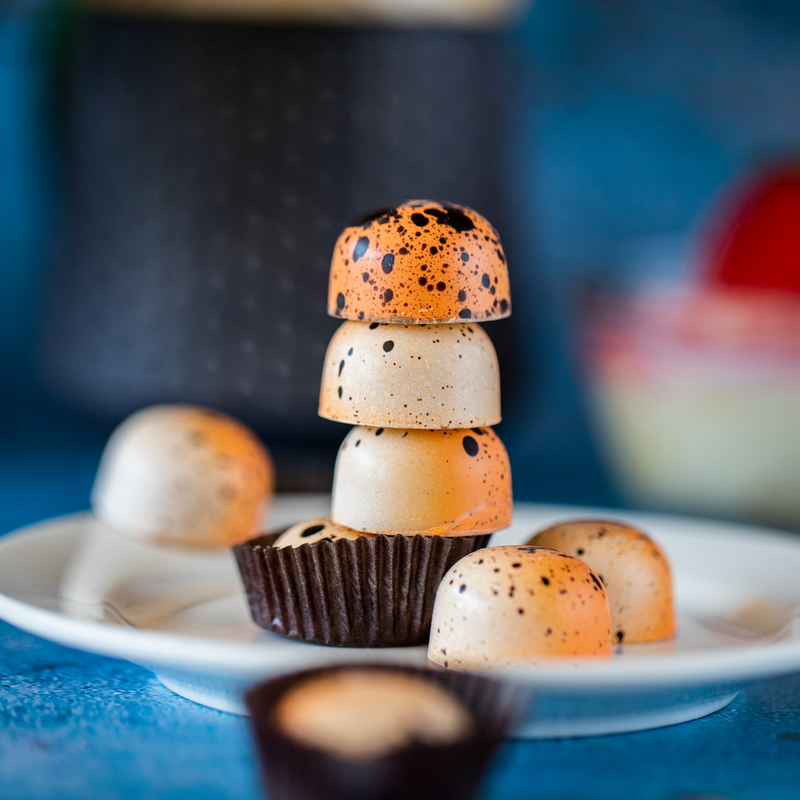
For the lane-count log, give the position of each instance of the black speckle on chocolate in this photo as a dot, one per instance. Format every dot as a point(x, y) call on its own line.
point(388, 295)
point(387, 263)
point(453, 218)
point(441, 286)
point(423, 280)
point(479, 431)
point(434, 250)
point(310, 531)
point(462, 296)
point(388, 346)
point(362, 245)
point(465, 257)
point(546, 581)
point(419, 219)
point(370, 216)
point(465, 313)
point(598, 583)
point(365, 277)
point(504, 305)
point(485, 280)
point(470, 446)
point(340, 301)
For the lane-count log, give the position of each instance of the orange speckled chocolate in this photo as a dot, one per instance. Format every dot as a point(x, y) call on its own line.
point(443, 482)
point(633, 568)
point(421, 262)
point(514, 606)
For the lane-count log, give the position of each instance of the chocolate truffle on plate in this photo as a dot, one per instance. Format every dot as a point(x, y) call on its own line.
point(421, 261)
point(432, 482)
point(633, 568)
point(379, 732)
point(346, 588)
point(516, 606)
point(411, 376)
point(183, 475)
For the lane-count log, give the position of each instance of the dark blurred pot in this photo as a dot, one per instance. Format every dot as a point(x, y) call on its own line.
point(212, 165)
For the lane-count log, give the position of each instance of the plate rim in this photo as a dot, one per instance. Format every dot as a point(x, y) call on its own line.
point(249, 660)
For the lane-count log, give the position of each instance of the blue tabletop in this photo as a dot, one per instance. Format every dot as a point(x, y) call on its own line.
point(74, 725)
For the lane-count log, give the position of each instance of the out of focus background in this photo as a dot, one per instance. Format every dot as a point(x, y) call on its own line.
point(171, 187)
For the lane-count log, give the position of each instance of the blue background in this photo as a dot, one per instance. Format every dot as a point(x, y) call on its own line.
point(636, 115)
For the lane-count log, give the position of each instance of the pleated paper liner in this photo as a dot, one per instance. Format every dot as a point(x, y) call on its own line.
point(374, 591)
point(294, 771)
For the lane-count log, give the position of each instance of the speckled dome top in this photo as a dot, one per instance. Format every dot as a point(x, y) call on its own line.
point(516, 606)
point(633, 568)
point(439, 482)
point(421, 262)
point(315, 530)
point(411, 376)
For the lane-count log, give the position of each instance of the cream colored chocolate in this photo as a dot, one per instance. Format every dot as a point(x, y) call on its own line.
point(633, 568)
point(421, 262)
point(183, 475)
point(315, 530)
point(448, 482)
point(514, 606)
point(455, 13)
point(411, 376)
point(363, 714)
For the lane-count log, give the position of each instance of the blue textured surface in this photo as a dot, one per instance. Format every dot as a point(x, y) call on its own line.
point(639, 112)
point(74, 725)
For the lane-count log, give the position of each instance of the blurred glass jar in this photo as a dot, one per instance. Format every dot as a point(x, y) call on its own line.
point(696, 397)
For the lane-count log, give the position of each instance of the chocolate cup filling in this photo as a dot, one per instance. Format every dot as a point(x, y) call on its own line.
point(374, 591)
point(294, 771)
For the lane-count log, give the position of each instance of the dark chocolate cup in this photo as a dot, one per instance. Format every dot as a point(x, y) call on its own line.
point(374, 591)
point(294, 771)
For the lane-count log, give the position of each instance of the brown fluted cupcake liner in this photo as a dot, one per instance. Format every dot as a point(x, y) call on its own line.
point(294, 771)
point(373, 591)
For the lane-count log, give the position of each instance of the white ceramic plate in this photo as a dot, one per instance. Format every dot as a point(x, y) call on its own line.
point(183, 615)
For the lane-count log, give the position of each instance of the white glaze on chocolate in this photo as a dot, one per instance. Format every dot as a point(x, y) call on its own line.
point(183, 475)
point(515, 606)
point(361, 714)
point(449, 482)
point(411, 376)
point(315, 530)
point(633, 568)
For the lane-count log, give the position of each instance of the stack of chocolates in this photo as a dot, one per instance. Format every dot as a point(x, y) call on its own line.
point(421, 480)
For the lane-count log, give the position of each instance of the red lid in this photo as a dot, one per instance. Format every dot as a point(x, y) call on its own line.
point(754, 236)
